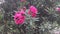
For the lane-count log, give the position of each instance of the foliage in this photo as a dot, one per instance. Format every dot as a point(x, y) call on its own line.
point(45, 26)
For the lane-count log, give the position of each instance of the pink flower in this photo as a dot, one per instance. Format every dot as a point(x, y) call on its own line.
point(19, 18)
point(58, 9)
point(32, 11)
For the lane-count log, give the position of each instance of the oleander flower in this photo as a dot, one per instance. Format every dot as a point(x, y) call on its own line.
point(57, 9)
point(32, 11)
point(19, 17)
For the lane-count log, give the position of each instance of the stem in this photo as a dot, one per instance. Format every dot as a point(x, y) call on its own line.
point(5, 27)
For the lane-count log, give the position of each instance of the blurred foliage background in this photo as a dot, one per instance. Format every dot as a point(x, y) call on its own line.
point(7, 25)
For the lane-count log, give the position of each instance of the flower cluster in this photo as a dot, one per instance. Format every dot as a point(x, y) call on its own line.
point(32, 11)
point(19, 17)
